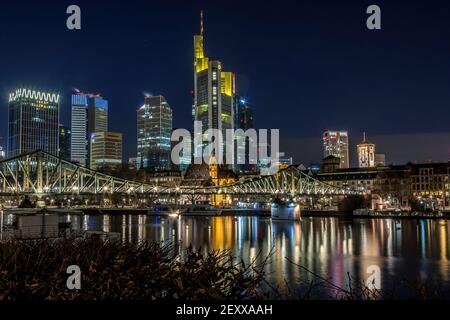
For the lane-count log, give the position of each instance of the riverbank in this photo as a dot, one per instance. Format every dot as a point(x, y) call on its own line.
point(148, 271)
point(111, 270)
point(375, 215)
point(150, 212)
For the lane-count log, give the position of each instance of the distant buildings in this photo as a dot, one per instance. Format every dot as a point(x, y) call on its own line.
point(154, 129)
point(214, 90)
point(367, 158)
point(33, 121)
point(366, 154)
point(330, 164)
point(185, 158)
point(283, 161)
point(89, 115)
point(64, 142)
point(2, 153)
point(380, 159)
point(97, 114)
point(335, 143)
point(410, 187)
point(243, 115)
point(105, 150)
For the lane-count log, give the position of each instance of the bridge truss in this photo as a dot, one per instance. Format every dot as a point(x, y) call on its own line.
point(40, 173)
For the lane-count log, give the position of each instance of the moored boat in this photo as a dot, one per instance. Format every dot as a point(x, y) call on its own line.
point(201, 210)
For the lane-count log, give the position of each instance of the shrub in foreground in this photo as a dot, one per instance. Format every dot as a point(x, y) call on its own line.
point(112, 270)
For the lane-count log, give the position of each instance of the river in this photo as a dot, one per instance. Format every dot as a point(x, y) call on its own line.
point(407, 252)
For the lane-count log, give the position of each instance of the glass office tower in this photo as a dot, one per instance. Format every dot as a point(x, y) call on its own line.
point(154, 129)
point(79, 142)
point(214, 90)
point(335, 143)
point(89, 115)
point(33, 122)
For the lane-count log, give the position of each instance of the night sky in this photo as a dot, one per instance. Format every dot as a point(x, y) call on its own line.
point(304, 66)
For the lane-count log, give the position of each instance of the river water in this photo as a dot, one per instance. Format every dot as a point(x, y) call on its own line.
point(407, 252)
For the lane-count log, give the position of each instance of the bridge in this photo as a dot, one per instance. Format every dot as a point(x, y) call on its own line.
point(39, 174)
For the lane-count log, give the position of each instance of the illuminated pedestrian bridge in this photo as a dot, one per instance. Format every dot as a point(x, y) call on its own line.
point(39, 173)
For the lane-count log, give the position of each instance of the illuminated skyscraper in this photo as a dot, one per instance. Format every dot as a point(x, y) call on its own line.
point(154, 129)
point(33, 122)
point(214, 90)
point(335, 143)
point(78, 140)
point(366, 154)
point(89, 115)
point(243, 115)
point(97, 114)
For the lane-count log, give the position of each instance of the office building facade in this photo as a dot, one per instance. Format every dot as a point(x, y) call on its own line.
point(33, 122)
point(64, 142)
point(79, 141)
point(89, 115)
point(214, 91)
point(154, 129)
point(380, 159)
point(366, 153)
point(97, 114)
point(243, 119)
point(335, 143)
point(105, 150)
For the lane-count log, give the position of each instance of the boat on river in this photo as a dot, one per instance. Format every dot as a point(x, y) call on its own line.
point(363, 213)
point(200, 210)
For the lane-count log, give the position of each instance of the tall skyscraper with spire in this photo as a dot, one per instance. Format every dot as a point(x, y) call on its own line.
point(214, 90)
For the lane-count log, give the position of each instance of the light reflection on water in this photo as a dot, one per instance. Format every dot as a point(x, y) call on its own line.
point(329, 247)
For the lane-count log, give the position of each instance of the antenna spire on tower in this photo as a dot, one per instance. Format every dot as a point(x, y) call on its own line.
point(364, 136)
point(201, 23)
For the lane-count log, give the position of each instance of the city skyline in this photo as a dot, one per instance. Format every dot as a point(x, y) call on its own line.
point(400, 124)
point(241, 154)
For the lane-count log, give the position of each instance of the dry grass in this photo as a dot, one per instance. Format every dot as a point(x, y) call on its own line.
point(110, 270)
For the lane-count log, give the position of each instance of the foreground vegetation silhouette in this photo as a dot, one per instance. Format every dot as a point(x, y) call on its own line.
point(112, 270)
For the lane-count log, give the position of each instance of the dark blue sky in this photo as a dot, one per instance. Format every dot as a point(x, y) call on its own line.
point(304, 66)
